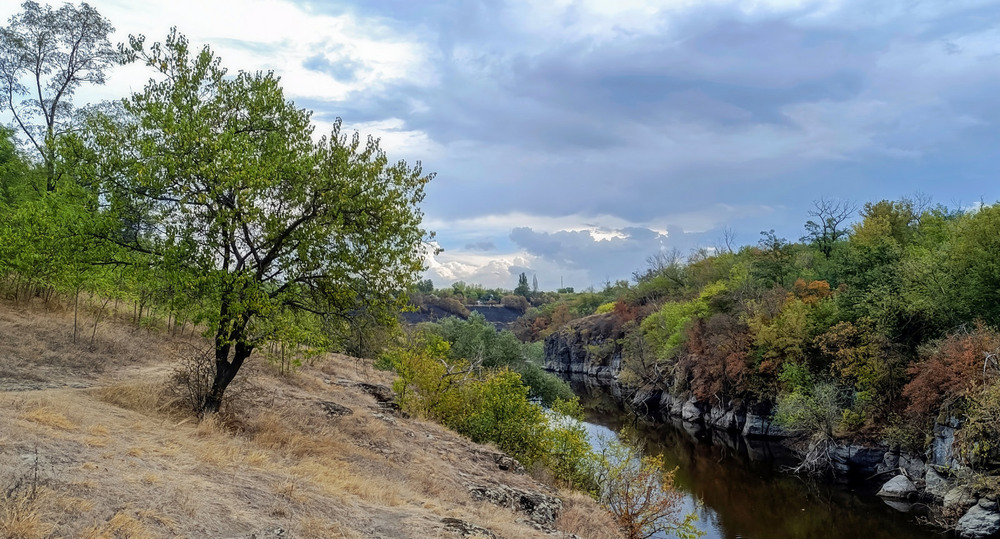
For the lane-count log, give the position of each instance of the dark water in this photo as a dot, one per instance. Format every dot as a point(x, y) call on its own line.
point(742, 491)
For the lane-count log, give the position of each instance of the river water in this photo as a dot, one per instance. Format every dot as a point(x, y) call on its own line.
point(739, 489)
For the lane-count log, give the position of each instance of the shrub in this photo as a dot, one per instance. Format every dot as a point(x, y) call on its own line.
point(949, 370)
point(640, 494)
point(979, 437)
point(605, 308)
point(518, 303)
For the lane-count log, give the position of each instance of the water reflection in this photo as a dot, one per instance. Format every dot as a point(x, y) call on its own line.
point(741, 486)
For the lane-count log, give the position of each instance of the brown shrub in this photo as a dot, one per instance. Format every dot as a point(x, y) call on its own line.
point(949, 369)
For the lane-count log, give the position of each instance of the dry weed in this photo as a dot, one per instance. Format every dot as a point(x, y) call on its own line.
point(580, 517)
point(121, 525)
point(72, 505)
point(143, 397)
point(49, 417)
point(21, 516)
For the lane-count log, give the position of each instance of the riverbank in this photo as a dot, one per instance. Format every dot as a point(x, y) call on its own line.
point(906, 480)
point(740, 487)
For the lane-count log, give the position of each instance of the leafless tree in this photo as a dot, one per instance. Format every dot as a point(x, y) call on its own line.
point(830, 223)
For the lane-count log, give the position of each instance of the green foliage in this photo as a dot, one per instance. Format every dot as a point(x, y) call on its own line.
point(47, 54)
point(979, 437)
point(605, 308)
point(488, 405)
point(663, 330)
point(478, 342)
point(253, 217)
point(544, 386)
point(522, 288)
point(815, 410)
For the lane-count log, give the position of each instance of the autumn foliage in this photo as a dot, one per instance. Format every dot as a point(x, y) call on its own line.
point(950, 369)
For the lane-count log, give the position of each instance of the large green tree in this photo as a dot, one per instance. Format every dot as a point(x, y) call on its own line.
point(220, 186)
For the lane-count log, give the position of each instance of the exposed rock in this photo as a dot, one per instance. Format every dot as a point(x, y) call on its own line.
point(941, 450)
point(503, 461)
point(762, 427)
point(691, 410)
point(335, 410)
point(935, 484)
point(902, 506)
point(959, 498)
point(466, 529)
point(380, 392)
point(721, 418)
point(988, 504)
point(677, 407)
point(666, 402)
point(856, 459)
point(588, 345)
point(890, 463)
point(899, 487)
point(979, 523)
point(913, 465)
point(542, 509)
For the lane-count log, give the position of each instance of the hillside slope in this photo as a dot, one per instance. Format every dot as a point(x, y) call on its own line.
point(94, 443)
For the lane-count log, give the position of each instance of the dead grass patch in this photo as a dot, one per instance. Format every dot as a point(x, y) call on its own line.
point(143, 397)
point(580, 517)
point(50, 418)
point(121, 525)
point(21, 516)
point(280, 462)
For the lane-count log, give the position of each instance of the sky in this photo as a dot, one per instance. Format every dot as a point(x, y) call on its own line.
point(571, 140)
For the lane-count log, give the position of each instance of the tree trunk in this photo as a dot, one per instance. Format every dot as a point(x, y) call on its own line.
point(76, 311)
point(93, 334)
point(225, 371)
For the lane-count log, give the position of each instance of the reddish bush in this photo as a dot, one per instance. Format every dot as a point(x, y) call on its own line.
point(950, 369)
point(716, 357)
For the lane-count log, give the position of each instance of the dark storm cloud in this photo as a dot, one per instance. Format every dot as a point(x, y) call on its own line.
point(602, 259)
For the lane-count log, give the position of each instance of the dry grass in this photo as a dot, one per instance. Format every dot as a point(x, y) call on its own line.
point(578, 517)
point(47, 416)
point(280, 462)
point(21, 517)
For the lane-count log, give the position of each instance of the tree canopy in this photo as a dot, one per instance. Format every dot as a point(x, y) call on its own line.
point(216, 183)
point(45, 56)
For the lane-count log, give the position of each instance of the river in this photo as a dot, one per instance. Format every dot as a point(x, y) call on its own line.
point(742, 491)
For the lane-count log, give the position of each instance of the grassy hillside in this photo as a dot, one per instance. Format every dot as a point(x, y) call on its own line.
point(95, 442)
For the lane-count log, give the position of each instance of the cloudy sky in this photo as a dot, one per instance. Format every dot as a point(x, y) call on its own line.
point(572, 139)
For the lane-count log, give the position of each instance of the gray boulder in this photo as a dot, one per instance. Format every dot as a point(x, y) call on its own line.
point(542, 509)
point(978, 523)
point(691, 411)
point(959, 499)
point(899, 487)
point(935, 484)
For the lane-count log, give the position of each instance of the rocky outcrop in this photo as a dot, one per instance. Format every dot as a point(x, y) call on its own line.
point(588, 346)
point(935, 484)
point(899, 487)
point(856, 459)
point(333, 409)
point(541, 509)
point(466, 529)
point(941, 451)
